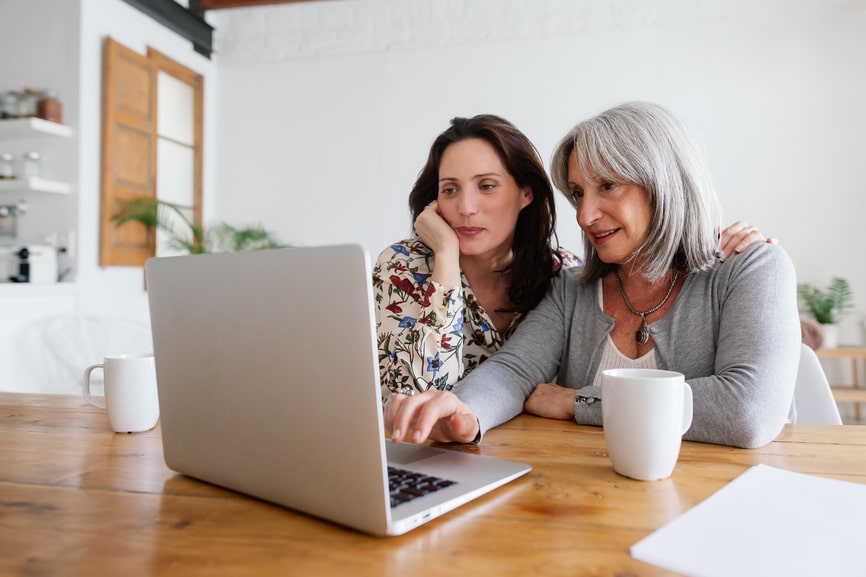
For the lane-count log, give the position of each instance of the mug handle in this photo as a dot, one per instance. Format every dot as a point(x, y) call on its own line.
point(688, 407)
point(85, 381)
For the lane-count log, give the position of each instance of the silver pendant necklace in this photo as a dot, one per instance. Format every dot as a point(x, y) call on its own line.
point(642, 334)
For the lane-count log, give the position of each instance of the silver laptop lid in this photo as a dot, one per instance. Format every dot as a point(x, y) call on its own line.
point(264, 393)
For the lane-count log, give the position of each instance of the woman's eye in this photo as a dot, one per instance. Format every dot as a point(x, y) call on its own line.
point(487, 186)
point(448, 191)
point(608, 186)
point(576, 195)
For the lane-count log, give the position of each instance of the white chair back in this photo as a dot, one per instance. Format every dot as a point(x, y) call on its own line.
point(813, 398)
point(55, 350)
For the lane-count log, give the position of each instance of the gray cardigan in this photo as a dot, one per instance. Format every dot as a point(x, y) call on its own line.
point(733, 331)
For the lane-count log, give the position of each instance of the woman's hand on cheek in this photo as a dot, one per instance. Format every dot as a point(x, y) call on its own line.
point(551, 401)
point(435, 231)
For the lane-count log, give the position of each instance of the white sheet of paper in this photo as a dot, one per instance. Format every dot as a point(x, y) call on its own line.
point(767, 521)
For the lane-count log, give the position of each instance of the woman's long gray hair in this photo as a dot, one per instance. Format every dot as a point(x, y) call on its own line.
point(644, 144)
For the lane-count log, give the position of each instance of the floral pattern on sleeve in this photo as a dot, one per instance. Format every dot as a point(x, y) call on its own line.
point(567, 259)
point(419, 322)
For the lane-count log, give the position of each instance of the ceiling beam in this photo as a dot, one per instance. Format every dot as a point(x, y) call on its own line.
point(189, 23)
point(217, 4)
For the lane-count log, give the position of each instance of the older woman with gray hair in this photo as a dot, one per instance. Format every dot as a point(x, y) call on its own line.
point(653, 294)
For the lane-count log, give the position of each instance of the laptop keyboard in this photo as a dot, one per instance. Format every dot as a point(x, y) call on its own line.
point(407, 485)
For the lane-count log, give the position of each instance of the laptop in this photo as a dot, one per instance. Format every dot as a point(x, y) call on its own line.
point(268, 380)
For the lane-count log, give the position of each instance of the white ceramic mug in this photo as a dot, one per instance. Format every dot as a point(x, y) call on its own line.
point(130, 392)
point(645, 413)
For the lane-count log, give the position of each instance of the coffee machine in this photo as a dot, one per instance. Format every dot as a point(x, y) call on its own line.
point(32, 263)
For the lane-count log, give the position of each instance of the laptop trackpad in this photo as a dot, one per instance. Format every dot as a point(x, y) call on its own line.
point(406, 453)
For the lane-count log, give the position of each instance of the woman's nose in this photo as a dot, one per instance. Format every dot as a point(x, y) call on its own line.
point(587, 211)
point(467, 204)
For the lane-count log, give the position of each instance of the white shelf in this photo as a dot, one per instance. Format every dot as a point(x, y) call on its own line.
point(26, 289)
point(32, 128)
point(33, 184)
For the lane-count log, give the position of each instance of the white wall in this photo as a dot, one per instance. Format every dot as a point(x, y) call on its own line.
point(119, 291)
point(38, 52)
point(51, 335)
point(49, 62)
point(326, 109)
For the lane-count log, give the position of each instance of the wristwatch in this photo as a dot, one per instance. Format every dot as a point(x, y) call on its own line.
point(580, 399)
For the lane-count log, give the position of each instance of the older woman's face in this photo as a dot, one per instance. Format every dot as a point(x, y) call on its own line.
point(614, 215)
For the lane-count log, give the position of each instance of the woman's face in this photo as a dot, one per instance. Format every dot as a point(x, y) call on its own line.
point(614, 216)
point(479, 198)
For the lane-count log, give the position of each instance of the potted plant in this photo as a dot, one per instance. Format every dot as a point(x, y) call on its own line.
point(827, 306)
point(184, 234)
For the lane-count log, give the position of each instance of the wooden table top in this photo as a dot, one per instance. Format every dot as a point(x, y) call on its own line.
point(77, 499)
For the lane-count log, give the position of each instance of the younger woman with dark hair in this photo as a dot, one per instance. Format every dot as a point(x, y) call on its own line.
point(484, 254)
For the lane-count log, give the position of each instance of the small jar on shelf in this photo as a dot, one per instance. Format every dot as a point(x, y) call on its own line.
point(8, 105)
point(48, 106)
point(28, 101)
point(30, 165)
point(7, 166)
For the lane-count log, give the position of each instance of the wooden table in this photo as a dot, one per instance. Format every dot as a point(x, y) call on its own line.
point(76, 499)
point(853, 393)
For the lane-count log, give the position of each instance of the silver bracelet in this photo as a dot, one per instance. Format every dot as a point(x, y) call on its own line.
point(585, 400)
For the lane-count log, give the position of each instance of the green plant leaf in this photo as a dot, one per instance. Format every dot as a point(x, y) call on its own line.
point(184, 234)
point(830, 305)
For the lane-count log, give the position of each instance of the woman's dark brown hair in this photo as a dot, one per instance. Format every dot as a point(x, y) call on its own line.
point(534, 247)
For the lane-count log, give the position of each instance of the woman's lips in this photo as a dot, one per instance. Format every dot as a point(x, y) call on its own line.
point(603, 237)
point(469, 230)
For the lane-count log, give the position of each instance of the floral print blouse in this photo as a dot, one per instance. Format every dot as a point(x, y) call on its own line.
point(429, 336)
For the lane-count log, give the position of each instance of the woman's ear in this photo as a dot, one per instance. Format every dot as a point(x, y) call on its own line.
point(526, 199)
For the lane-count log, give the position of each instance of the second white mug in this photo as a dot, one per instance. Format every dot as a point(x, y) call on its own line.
point(645, 413)
point(130, 392)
